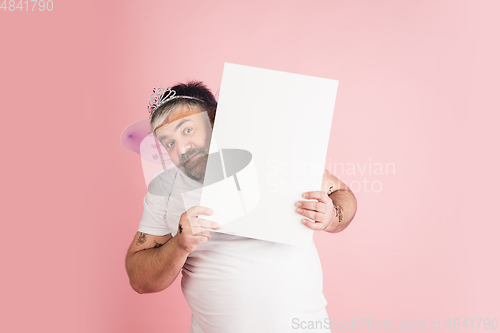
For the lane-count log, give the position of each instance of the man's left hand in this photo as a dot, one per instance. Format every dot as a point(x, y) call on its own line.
point(320, 211)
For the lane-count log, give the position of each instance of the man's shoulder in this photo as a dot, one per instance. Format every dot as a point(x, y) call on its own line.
point(163, 181)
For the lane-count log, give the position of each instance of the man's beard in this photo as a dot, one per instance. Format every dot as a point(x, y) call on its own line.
point(195, 169)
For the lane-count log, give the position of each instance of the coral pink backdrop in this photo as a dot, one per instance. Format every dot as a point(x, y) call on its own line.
point(415, 133)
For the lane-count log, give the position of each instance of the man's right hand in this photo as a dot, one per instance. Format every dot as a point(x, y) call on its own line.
point(192, 230)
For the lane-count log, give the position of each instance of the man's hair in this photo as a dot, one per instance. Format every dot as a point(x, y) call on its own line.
point(195, 89)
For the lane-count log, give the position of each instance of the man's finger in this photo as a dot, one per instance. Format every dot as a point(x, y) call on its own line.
point(315, 216)
point(199, 222)
point(312, 205)
point(312, 225)
point(201, 232)
point(199, 210)
point(201, 239)
point(208, 224)
point(318, 195)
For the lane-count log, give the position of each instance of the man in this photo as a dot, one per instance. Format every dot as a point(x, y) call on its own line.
point(231, 283)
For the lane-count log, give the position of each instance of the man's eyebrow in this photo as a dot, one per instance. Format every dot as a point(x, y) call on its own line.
point(163, 137)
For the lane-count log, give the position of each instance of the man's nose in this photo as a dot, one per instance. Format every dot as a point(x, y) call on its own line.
point(184, 147)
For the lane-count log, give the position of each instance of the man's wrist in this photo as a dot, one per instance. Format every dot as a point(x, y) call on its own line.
point(178, 246)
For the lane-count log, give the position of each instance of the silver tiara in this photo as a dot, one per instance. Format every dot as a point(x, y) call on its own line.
point(156, 100)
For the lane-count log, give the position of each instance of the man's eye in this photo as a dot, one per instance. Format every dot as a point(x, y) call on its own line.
point(169, 144)
point(187, 130)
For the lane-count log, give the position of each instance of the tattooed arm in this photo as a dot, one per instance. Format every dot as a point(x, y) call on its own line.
point(344, 202)
point(334, 209)
point(153, 262)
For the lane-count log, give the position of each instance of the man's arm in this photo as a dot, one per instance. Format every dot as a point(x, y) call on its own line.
point(334, 209)
point(344, 202)
point(153, 262)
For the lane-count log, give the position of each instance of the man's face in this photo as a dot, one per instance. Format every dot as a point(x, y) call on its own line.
point(187, 140)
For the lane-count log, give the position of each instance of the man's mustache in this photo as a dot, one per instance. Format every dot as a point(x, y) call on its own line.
point(185, 157)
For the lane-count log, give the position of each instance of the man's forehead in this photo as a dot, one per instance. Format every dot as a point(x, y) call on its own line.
point(178, 117)
point(182, 111)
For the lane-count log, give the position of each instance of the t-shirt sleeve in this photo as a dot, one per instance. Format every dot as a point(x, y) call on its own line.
point(154, 216)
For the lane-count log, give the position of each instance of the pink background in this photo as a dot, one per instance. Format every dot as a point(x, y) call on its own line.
point(418, 90)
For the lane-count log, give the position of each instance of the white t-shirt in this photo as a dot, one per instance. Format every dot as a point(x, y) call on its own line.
point(235, 284)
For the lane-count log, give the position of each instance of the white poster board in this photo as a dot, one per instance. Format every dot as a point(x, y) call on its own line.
point(271, 131)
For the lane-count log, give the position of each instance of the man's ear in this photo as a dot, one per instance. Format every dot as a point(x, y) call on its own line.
point(212, 116)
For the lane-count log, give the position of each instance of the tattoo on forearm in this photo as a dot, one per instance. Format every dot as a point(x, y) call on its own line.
point(338, 212)
point(141, 239)
point(158, 244)
point(330, 190)
point(180, 228)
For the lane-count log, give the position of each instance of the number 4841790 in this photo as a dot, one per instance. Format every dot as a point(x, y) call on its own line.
point(47, 5)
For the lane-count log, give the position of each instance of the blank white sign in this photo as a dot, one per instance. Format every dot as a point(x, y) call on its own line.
point(284, 121)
